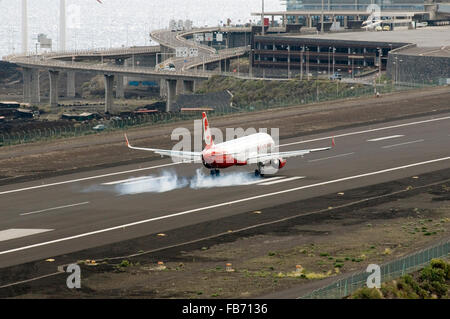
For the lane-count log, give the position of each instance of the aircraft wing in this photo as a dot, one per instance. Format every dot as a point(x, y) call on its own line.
point(275, 156)
point(264, 158)
point(185, 156)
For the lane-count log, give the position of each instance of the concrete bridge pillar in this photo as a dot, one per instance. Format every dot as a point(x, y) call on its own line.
point(109, 97)
point(35, 88)
point(179, 87)
point(54, 82)
point(162, 88)
point(71, 84)
point(26, 85)
point(171, 93)
point(188, 86)
point(120, 91)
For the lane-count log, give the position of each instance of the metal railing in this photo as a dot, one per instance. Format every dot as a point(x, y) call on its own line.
point(389, 271)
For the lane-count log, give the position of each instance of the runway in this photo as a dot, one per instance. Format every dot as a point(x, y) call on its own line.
point(55, 216)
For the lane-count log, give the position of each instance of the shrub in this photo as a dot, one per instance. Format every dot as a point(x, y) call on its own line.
point(125, 263)
point(367, 293)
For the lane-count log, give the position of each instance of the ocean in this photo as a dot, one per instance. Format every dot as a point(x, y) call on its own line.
point(116, 23)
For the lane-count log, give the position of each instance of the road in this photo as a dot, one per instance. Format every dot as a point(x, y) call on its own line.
point(55, 216)
point(206, 54)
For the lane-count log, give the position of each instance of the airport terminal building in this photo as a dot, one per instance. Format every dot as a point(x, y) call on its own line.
point(344, 46)
point(359, 5)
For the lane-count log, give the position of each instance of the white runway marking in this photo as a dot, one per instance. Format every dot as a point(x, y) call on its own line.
point(264, 180)
point(145, 221)
point(54, 208)
point(401, 144)
point(14, 233)
point(85, 179)
point(132, 180)
point(384, 138)
point(326, 158)
point(368, 131)
point(282, 181)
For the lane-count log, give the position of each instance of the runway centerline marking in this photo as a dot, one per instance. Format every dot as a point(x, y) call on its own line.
point(282, 181)
point(401, 144)
point(384, 138)
point(15, 233)
point(54, 208)
point(195, 210)
point(368, 131)
point(330, 157)
point(265, 180)
point(132, 180)
point(86, 178)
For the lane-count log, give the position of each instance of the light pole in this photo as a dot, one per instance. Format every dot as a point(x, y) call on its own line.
point(380, 53)
point(321, 27)
point(24, 27)
point(289, 61)
point(301, 63)
point(307, 62)
point(396, 69)
point(334, 62)
point(262, 17)
point(329, 49)
point(62, 26)
point(353, 65)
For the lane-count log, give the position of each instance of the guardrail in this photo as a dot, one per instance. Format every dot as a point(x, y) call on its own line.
point(51, 63)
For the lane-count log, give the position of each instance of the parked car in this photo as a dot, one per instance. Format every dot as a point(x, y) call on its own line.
point(170, 67)
point(386, 28)
point(336, 76)
point(99, 127)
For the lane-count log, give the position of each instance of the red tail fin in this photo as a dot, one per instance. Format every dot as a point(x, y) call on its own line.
point(206, 131)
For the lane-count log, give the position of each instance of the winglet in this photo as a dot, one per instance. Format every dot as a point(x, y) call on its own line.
point(333, 144)
point(126, 139)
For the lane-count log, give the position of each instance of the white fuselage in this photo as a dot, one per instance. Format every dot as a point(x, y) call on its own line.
point(235, 152)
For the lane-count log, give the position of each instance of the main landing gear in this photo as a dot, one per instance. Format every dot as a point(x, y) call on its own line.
point(258, 170)
point(258, 173)
point(215, 172)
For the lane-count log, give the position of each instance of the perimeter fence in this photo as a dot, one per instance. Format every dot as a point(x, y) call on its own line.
point(389, 271)
point(72, 129)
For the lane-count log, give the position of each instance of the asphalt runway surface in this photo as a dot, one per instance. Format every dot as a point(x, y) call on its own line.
point(64, 214)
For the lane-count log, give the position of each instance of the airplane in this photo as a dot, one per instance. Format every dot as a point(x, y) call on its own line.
point(246, 150)
point(372, 22)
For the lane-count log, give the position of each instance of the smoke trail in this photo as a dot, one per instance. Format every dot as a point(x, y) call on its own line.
point(200, 180)
point(167, 182)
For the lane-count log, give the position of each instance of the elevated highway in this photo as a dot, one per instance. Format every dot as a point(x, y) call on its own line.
point(183, 79)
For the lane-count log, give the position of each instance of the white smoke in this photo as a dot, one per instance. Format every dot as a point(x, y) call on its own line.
point(169, 181)
point(166, 182)
point(200, 180)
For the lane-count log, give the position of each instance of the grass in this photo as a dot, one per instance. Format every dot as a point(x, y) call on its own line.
point(256, 92)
